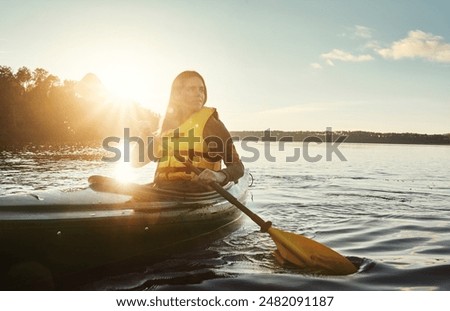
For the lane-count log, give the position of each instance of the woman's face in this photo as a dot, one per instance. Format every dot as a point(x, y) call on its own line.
point(192, 95)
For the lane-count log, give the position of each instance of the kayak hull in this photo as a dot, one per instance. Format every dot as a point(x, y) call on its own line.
point(71, 233)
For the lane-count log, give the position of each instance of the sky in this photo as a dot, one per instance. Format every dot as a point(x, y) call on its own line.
point(301, 65)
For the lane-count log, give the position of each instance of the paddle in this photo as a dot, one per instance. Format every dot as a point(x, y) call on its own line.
point(294, 248)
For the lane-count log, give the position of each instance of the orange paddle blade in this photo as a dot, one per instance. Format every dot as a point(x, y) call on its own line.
point(311, 255)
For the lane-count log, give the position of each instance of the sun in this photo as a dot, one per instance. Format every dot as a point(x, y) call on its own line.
point(131, 82)
point(126, 84)
point(130, 75)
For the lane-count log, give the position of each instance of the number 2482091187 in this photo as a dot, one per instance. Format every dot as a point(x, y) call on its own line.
point(290, 301)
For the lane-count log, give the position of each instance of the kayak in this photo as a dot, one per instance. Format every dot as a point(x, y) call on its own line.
point(66, 233)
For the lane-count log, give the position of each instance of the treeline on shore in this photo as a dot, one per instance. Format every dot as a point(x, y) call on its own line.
point(37, 107)
point(344, 136)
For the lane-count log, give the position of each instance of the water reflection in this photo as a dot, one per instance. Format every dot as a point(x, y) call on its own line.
point(387, 207)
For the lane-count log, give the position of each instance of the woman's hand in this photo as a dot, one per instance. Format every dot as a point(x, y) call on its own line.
point(209, 176)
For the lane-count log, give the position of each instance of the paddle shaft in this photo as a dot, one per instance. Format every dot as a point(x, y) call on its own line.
point(265, 225)
point(294, 248)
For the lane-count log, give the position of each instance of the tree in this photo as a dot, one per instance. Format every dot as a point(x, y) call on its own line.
point(37, 107)
point(9, 97)
point(25, 78)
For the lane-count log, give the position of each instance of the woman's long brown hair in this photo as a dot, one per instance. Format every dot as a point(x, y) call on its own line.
point(174, 114)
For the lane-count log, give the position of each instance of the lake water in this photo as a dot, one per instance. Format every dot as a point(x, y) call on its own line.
point(388, 206)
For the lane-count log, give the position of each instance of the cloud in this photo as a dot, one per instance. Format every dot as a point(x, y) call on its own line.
point(357, 32)
point(343, 56)
point(316, 66)
point(363, 32)
point(418, 44)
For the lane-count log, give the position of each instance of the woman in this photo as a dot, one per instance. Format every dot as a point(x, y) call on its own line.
point(191, 131)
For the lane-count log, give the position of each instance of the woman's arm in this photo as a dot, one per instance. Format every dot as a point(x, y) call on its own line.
point(216, 132)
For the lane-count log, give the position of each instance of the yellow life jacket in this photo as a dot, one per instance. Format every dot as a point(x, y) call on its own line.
point(188, 141)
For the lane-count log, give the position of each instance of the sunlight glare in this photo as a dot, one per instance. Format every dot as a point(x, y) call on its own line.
point(129, 86)
point(126, 86)
point(126, 76)
point(123, 171)
point(129, 75)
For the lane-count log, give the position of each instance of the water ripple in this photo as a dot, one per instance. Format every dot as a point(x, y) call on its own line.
point(389, 216)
